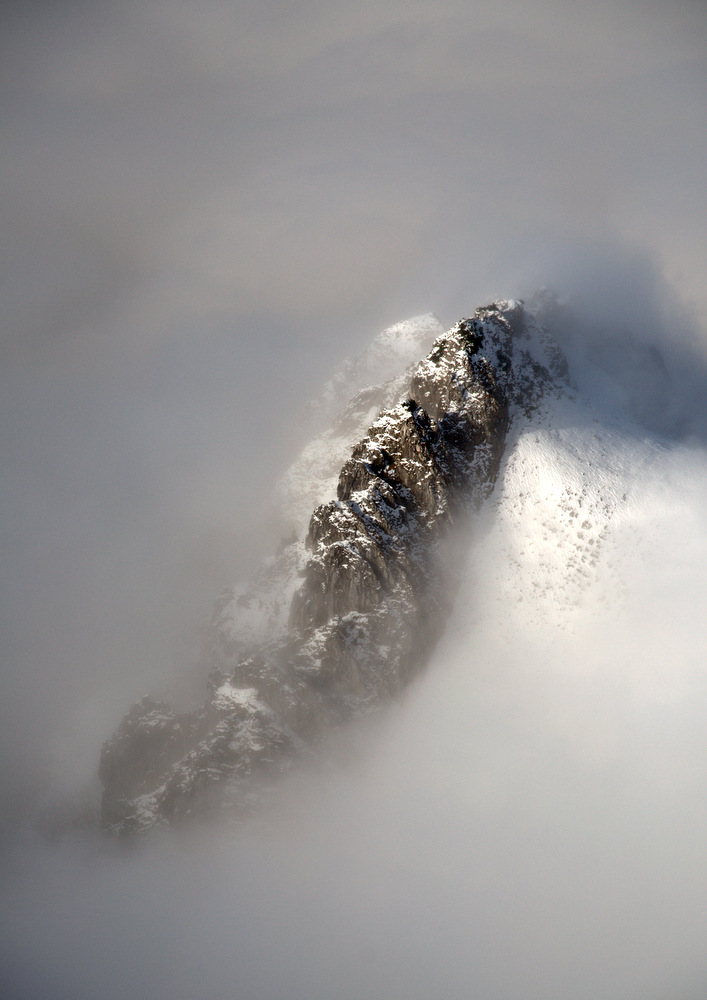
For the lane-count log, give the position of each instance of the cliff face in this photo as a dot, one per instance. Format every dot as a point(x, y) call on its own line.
point(337, 625)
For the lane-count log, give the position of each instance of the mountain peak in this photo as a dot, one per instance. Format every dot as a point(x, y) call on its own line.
point(342, 619)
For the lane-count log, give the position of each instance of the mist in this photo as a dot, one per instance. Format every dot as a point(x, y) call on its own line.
point(202, 214)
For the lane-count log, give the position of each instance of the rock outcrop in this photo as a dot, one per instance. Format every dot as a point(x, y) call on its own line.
point(340, 622)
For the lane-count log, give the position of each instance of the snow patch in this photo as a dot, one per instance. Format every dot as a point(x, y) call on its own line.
point(229, 696)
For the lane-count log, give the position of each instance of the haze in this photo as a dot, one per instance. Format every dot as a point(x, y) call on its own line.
point(203, 211)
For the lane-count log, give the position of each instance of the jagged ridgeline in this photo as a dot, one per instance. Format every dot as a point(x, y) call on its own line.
point(340, 621)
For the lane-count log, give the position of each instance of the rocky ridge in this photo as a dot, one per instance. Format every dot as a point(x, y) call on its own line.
point(370, 382)
point(340, 621)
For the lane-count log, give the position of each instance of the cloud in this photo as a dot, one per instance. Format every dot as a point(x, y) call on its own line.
point(379, 141)
point(203, 212)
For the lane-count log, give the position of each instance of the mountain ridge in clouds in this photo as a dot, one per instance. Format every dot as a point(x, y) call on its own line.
point(343, 618)
point(204, 210)
point(526, 821)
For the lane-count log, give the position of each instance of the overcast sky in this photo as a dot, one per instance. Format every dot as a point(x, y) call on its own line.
point(203, 208)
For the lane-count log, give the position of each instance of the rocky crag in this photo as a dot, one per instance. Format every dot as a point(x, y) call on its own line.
point(340, 621)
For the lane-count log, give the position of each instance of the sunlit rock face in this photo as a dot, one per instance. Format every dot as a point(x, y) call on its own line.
point(340, 621)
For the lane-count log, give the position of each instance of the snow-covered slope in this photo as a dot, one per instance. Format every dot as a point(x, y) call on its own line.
point(570, 484)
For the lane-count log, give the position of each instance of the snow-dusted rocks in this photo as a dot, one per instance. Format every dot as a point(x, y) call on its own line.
point(360, 389)
point(335, 626)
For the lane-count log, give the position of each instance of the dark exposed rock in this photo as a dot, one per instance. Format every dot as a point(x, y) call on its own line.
point(367, 594)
